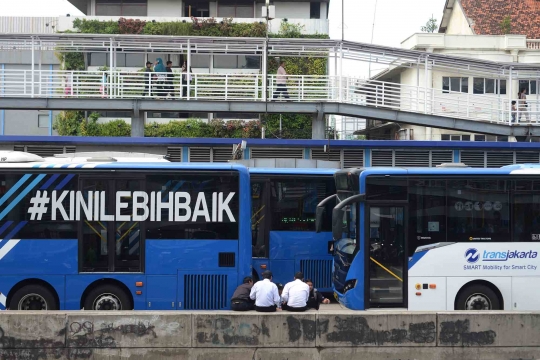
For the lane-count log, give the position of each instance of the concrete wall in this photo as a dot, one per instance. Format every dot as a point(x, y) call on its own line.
point(292, 10)
point(172, 8)
point(311, 335)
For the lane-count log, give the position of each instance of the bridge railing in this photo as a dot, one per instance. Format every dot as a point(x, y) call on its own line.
point(250, 87)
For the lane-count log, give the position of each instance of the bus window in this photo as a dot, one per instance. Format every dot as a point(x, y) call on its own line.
point(294, 203)
point(199, 225)
point(95, 244)
point(42, 227)
point(478, 210)
point(427, 212)
point(127, 233)
point(386, 188)
point(259, 219)
point(526, 210)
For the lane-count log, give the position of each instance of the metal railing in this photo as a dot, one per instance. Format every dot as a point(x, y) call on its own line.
point(249, 87)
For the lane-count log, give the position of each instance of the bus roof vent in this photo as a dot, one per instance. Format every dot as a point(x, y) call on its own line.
point(101, 159)
point(111, 154)
point(452, 165)
point(19, 157)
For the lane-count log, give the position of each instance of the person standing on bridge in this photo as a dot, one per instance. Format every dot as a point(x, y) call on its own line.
point(265, 294)
point(147, 79)
point(281, 82)
point(170, 78)
point(522, 104)
point(160, 71)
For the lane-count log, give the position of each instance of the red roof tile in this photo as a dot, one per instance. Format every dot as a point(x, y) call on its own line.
point(487, 15)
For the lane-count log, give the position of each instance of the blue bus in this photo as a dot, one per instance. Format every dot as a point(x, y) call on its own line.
point(284, 240)
point(445, 238)
point(102, 234)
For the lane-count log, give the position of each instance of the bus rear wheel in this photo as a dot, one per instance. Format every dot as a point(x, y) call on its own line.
point(33, 297)
point(478, 297)
point(107, 297)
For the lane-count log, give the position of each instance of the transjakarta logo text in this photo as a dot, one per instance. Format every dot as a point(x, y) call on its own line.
point(178, 206)
point(473, 255)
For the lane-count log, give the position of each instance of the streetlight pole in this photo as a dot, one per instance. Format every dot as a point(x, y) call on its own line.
point(342, 20)
point(372, 31)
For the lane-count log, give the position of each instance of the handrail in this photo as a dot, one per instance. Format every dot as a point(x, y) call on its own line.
point(492, 108)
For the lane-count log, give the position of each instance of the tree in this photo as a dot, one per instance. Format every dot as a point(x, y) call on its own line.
point(431, 25)
point(506, 25)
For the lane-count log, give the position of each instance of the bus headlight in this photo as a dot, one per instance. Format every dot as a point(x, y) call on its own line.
point(350, 284)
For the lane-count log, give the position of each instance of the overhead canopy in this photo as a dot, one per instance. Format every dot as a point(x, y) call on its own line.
point(382, 55)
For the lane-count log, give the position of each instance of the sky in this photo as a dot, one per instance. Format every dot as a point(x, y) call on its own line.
point(395, 20)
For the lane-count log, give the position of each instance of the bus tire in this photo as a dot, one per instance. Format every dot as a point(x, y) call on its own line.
point(477, 297)
point(33, 297)
point(107, 297)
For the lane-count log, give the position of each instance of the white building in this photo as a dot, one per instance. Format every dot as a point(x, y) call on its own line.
point(311, 16)
point(491, 30)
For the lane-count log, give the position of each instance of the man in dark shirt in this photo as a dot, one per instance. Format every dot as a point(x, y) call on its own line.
point(315, 297)
point(170, 77)
point(148, 73)
point(240, 300)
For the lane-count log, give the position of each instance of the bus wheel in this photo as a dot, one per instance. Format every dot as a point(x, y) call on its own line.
point(478, 297)
point(107, 297)
point(33, 297)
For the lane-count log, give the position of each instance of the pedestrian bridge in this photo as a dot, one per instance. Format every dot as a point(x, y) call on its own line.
point(130, 90)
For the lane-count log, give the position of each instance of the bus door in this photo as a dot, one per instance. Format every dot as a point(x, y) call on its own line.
point(260, 224)
point(110, 241)
point(387, 259)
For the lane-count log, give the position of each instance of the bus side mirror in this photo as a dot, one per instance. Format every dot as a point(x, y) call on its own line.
point(319, 212)
point(337, 223)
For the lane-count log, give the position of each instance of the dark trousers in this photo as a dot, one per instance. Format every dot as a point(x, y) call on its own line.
point(241, 306)
point(293, 309)
point(313, 303)
point(281, 89)
point(184, 88)
point(266, 308)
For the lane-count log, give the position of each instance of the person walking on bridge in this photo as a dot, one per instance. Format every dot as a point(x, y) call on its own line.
point(281, 82)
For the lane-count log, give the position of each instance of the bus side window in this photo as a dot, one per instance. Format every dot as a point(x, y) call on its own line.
point(294, 203)
point(258, 220)
point(526, 210)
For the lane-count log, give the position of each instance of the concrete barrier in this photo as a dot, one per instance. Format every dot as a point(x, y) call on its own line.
point(279, 336)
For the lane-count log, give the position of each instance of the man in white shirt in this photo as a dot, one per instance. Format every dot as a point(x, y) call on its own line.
point(265, 293)
point(281, 82)
point(295, 294)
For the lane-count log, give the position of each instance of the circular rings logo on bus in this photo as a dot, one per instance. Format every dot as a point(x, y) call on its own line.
point(472, 255)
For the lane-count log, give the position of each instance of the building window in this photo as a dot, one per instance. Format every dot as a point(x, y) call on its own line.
point(489, 86)
point(235, 8)
point(121, 7)
point(530, 85)
point(122, 60)
point(453, 137)
point(479, 137)
point(115, 114)
point(455, 84)
point(196, 8)
point(43, 120)
point(314, 10)
point(237, 62)
point(200, 61)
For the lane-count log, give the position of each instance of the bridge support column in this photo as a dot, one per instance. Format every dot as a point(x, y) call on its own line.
point(317, 126)
point(137, 123)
